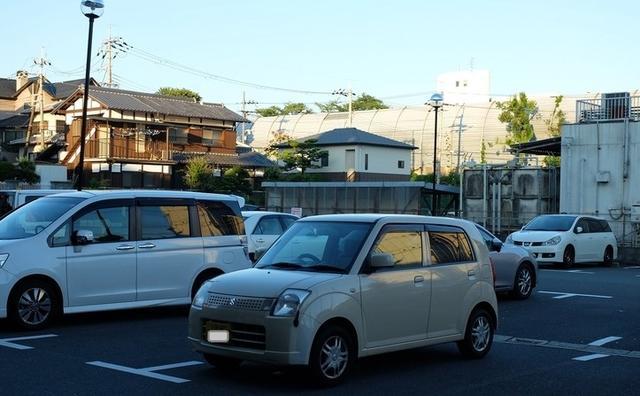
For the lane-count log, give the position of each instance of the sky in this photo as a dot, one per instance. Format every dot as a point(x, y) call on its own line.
point(393, 50)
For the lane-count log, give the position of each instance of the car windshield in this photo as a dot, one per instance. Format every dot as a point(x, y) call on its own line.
point(319, 246)
point(550, 223)
point(32, 218)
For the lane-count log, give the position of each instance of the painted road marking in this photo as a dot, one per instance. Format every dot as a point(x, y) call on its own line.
point(580, 272)
point(633, 267)
point(586, 358)
point(605, 340)
point(149, 372)
point(586, 348)
point(561, 295)
point(7, 342)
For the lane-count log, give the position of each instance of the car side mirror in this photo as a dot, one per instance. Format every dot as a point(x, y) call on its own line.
point(381, 260)
point(579, 230)
point(82, 237)
point(496, 245)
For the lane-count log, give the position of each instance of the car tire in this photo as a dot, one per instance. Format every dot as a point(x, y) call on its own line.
point(523, 283)
point(332, 355)
point(607, 259)
point(568, 257)
point(33, 305)
point(222, 363)
point(478, 336)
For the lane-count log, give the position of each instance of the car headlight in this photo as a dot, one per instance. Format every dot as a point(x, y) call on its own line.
point(3, 258)
point(509, 239)
point(289, 302)
point(201, 295)
point(553, 241)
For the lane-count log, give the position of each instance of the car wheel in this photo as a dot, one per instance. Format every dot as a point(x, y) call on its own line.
point(332, 355)
point(222, 362)
point(568, 257)
point(607, 260)
point(33, 305)
point(478, 336)
point(523, 283)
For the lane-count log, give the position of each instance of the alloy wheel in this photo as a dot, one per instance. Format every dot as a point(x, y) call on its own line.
point(481, 333)
point(524, 281)
point(334, 357)
point(34, 306)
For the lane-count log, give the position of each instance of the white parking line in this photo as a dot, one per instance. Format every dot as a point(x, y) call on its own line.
point(149, 371)
point(632, 267)
point(7, 342)
point(580, 272)
point(605, 340)
point(562, 295)
point(586, 358)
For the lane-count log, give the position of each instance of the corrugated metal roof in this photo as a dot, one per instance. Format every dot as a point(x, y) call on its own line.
point(246, 160)
point(118, 99)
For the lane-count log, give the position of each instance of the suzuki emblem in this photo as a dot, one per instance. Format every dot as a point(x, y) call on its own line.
point(232, 301)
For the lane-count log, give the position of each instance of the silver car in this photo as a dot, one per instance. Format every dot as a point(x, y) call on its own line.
point(516, 268)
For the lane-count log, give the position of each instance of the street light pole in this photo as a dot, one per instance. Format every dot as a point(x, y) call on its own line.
point(92, 10)
point(435, 102)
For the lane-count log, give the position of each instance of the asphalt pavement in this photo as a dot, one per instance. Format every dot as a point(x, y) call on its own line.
point(579, 334)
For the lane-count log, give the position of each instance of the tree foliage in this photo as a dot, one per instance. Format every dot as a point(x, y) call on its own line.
point(289, 108)
point(198, 173)
point(24, 171)
point(453, 178)
point(198, 176)
point(301, 155)
point(557, 118)
point(179, 92)
point(517, 114)
point(362, 102)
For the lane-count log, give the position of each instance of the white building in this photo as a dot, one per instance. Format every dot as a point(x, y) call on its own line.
point(466, 86)
point(356, 155)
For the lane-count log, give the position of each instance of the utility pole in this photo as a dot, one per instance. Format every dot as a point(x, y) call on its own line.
point(349, 94)
point(111, 48)
point(42, 62)
point(245, 113)
point(459, 140)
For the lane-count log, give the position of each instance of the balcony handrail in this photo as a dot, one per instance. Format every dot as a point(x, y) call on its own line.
point(609, 107)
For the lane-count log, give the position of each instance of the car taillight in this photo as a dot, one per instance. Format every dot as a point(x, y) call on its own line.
point(493, 271)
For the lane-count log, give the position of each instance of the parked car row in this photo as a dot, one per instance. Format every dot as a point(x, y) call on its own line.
point(323, 292)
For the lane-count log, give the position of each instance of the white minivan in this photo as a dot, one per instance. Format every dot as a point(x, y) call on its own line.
point(334, 288)
point(101, 250)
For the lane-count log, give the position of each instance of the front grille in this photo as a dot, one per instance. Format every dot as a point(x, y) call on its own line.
point(240, 334)
point(238, 302)
point(519, 243)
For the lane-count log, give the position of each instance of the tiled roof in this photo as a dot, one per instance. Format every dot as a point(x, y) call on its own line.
point(153, 103)
point(353, 136)
point(7, 88)
point(63, 89)
point(13, 119)
point(246, 160)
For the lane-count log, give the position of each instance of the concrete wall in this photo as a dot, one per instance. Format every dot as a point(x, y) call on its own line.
point(601, 174)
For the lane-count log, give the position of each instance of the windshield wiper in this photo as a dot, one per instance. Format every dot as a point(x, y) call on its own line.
point(325, 268)
point(283, 265)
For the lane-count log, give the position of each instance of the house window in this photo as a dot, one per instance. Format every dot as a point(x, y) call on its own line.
point(179, 135)
point(401, 164)
point(60, 126)
point(366, 162)
point(211, 137)
point(324, 160)
point(465, 83)
point(457, 84)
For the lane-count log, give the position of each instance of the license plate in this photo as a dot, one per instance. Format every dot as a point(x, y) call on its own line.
point(218, 336)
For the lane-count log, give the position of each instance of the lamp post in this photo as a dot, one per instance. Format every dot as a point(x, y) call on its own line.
point(92, 10)
point(436, 102)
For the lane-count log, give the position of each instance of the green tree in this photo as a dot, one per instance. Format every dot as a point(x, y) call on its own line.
point(362, 102)
point(557, 118)
point(483, 152)
point(517, 114)
point(290, 108)
point(198, 174)
point(452, 178)
point(300, 155)
point(332, 107)
point(24, 171)
point(179, 92)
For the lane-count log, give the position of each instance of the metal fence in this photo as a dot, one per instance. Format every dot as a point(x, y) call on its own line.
point(610, 107)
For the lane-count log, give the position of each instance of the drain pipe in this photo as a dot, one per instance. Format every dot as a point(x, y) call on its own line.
point(484, 196)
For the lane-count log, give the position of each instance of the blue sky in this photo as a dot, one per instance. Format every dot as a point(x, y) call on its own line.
point(388, 49)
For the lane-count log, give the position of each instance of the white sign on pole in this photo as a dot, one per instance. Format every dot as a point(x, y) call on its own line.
point(296, 212)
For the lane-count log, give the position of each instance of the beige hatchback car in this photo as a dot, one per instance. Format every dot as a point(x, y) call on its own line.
point(334, 288)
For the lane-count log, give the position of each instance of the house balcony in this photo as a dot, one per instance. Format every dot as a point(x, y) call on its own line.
point(128, 149)
point(609, 107)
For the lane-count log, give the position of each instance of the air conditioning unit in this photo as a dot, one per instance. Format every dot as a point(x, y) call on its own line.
point(616, 105)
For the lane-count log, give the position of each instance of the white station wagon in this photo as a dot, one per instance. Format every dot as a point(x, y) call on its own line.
point(100, 250)
point(334, 288)
point(567, 239)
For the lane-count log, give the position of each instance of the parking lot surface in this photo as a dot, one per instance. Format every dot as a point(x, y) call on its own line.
point(579, 333)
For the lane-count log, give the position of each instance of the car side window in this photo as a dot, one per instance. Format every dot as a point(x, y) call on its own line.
point(488, 238)
point(582, 223)
point(269, 225)
point(287, 221)
point(106, 224)
point(161, 222)
point(605, 226)
point(450, 245)
point(217, 218)
point(594, 225)
point(405, 246)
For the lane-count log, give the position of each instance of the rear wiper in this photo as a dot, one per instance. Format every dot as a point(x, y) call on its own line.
point(325, 268)
point(284, 265)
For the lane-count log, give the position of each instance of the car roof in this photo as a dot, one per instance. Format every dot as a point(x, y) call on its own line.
point(148, 194)
point(251, 213)
point(390, 218)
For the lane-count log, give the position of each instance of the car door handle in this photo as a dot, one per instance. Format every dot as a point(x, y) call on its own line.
point(125, 247)
point(418, 279)
point(471, 273)
point(146, 246)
